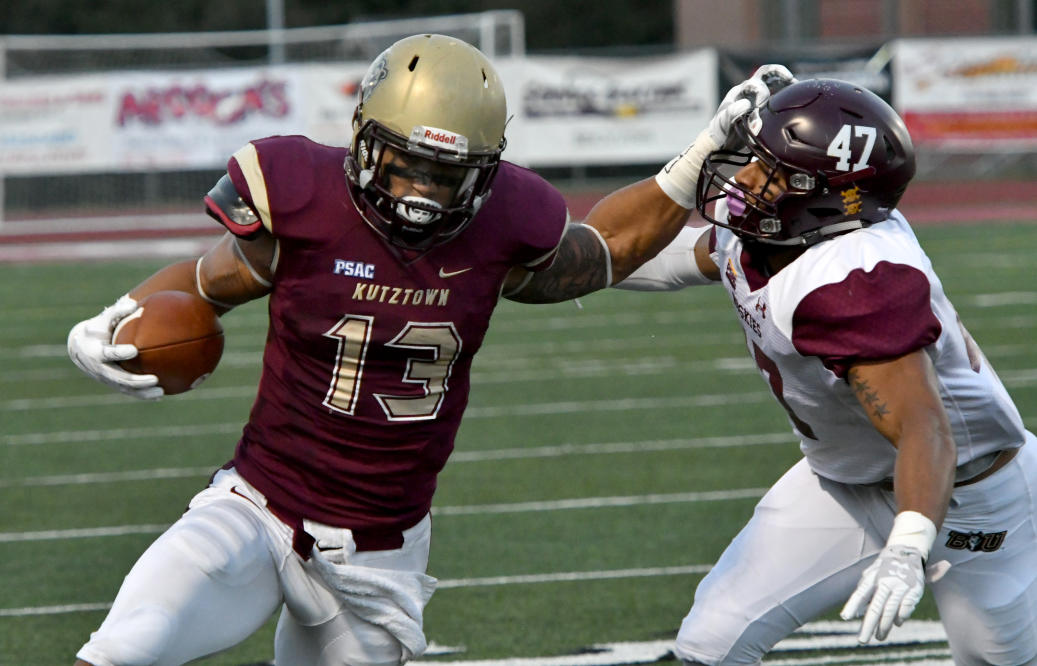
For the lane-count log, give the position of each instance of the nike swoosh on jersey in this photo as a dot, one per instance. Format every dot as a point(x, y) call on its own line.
point(446, 274)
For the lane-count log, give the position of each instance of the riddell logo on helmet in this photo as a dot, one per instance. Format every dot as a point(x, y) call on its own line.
point(439, 137)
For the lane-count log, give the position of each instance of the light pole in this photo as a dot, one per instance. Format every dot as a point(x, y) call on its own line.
point(275, 30)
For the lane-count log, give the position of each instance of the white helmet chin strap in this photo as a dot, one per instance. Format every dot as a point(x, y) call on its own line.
point(417, 216)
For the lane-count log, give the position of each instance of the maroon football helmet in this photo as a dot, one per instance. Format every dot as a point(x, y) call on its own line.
point(844, 153)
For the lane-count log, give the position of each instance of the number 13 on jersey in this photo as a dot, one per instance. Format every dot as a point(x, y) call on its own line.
point(431, 371)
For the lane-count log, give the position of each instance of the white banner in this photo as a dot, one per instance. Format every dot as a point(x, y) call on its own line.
point(564, 111)
point(979, 93)
point(329, 100)
point(54, 125)
point(197, 119)
point(607, 110)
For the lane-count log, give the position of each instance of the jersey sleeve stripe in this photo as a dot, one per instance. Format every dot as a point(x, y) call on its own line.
point(544, 261)
point(248, 264)
point(248, 161)
point(608, 254)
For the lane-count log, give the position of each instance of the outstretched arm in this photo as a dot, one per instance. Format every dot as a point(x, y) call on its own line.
point(631, 225)
point(581, 266)
point(622, 231)
point(902, 400)
point(683, 263)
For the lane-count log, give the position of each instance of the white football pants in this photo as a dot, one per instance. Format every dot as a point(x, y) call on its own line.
point(217, 574)
point(809, 539)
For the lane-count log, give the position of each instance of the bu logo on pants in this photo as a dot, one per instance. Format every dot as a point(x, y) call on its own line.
point(976, 541)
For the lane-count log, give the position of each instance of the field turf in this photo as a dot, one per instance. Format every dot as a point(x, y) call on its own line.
point(609, 453)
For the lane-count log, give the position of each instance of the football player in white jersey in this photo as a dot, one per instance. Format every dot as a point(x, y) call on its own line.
point(917, 466)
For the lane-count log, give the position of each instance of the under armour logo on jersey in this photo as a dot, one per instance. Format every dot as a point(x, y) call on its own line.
point(761, 307)
point(357, 269)
point(976, 541)
point(730, 273)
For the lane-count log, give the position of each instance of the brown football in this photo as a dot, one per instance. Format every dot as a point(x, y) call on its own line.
point(178, 336)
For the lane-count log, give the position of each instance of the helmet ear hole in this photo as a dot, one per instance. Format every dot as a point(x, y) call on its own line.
point(824, 213)
point(891, 152)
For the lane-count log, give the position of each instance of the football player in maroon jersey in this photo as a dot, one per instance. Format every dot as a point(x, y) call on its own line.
point(382, 263)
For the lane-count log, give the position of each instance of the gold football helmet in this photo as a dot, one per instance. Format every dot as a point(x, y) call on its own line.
point(435, 99)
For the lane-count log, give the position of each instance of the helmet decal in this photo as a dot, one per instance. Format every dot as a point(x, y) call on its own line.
point(376, 73)
point(433, 137)
point(852, 201)
point(841, 147)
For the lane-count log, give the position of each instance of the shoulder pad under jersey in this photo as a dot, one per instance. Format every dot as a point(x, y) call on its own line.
point(225, 205)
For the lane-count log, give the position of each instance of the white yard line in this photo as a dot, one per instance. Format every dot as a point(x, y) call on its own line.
point(516, 453)
point(108, 477)
point(465, 510)
point(445, 584)
point(600, 502)
point(573, 576)
point(569, 407)
point(81, 533)
point(112, 434)
point(915, 643)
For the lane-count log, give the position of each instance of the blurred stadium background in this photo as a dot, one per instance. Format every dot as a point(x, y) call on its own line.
point(95, 126)
point(610, 451)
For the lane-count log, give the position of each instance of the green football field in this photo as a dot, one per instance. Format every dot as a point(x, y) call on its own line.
point(609, 453)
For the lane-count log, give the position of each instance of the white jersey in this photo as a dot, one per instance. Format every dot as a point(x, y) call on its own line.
point(868, 295)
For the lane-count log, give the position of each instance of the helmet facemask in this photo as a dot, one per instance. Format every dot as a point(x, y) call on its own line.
point(409, 220)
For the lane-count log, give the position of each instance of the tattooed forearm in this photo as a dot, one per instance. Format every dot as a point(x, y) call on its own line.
point(868, 397)
point(580, 268)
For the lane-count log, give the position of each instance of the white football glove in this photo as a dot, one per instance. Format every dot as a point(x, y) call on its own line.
point(890, 589)
point(775, 77)
point(90, 348)
point(892, 586)
point(679, 178)
point(747, 95)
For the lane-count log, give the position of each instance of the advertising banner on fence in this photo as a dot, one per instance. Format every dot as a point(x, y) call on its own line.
point(132, 121)
point(607, 110)
point(968, 93)
point(54, 125)
point(331, 96)
point(563, 111)
point(197, 119)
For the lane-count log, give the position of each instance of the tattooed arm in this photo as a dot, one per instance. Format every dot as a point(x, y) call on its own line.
point(580, 267)
point(902, 399)
point(635, 223)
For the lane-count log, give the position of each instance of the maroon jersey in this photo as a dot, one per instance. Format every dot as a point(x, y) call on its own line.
point(367, 359)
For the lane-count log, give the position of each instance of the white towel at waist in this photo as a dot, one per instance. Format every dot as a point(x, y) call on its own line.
point(387, 598)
